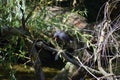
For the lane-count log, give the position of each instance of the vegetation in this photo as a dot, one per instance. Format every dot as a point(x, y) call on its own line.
point(28, 30)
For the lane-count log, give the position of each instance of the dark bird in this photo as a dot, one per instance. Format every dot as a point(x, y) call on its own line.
point(65, 41)
point(61, 35)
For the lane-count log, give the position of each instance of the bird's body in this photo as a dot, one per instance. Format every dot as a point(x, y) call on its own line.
point(64, 41)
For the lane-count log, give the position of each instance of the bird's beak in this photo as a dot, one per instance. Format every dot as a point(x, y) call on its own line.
point(55, 38)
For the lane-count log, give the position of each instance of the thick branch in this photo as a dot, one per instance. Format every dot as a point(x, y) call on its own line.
point(73, 60)
point(41, 44)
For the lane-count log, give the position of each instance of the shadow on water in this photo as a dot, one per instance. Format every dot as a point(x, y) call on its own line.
point(27, 73)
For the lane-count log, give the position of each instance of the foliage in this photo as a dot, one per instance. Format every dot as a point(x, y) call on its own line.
point(25, 26)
